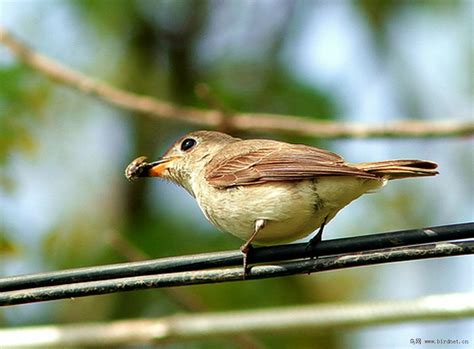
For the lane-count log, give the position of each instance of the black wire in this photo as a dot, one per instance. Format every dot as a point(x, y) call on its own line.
point(235, 274)
point(233, 258)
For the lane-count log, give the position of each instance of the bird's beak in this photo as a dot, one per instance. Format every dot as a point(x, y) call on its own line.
point(140, 168)
point(156, 168)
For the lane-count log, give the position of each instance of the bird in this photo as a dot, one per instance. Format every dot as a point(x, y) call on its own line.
point(269, 192)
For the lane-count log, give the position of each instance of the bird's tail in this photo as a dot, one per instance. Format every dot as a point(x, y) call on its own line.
point(397, 169)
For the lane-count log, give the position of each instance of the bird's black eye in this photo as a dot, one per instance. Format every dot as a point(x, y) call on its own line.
point(187, 144)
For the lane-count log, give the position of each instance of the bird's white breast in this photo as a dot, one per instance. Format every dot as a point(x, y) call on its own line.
point(291, 209)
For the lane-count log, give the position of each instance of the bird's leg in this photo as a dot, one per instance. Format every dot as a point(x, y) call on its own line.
point(318, 237)
point(247, 247)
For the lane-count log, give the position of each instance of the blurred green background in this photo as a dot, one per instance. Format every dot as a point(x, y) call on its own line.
point(65, 202)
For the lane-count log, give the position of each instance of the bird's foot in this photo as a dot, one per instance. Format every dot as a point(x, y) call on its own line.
point(246, 249)
point(315, 240)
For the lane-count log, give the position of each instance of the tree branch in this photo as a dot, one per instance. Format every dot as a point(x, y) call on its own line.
point(255, 122)
point(276, 320)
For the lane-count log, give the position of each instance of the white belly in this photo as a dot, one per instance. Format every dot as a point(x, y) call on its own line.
point(292, 210)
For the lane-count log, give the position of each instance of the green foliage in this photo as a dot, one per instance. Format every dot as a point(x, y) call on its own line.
point(23, 97)
point(8, 248)
point(254, 87)
point(107, 14)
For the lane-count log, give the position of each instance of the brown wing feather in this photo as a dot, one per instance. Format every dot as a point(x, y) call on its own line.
point(247, 163)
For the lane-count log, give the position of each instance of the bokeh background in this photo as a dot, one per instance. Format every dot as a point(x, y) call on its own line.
point(65, 203)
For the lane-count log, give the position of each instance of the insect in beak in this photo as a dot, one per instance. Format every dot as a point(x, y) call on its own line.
point(140, 168)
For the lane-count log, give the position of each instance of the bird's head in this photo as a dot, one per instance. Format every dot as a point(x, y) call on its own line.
point(184, 161)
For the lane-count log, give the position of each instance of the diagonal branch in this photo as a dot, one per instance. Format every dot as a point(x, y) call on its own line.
point(255, 122)
point(185, 298)
point(276, 320)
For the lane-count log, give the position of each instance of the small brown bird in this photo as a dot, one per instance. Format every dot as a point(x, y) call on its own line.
point(266, 191)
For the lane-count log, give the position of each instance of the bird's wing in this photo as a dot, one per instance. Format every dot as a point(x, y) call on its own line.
point(247, 163)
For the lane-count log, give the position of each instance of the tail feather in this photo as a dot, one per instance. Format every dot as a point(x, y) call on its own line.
point(397, 169)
